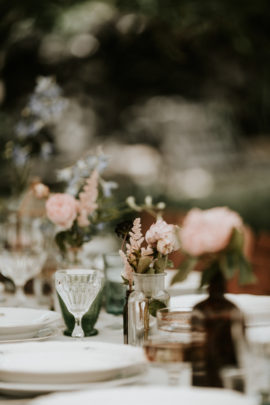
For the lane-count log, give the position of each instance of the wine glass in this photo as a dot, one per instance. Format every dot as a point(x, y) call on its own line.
point(22, 251)
point(78, 288)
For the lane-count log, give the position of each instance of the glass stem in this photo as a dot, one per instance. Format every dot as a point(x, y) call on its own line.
point(78, 330)
point(20, 295)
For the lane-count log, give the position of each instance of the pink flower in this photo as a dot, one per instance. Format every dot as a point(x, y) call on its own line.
point(87, 198)
point(62, 209)
point(208, 231)
point(163, 237)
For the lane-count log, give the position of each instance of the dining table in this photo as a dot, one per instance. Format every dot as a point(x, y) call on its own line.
point(152, 380)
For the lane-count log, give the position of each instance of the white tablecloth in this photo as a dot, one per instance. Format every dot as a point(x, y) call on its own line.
point(110, 327)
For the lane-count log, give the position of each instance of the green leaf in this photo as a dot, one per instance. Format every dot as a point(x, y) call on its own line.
point(237, 241)
point(154, 305)
point(229, 264)
point(170, 264)
point(186, 266)
point(246, 275)
point(209, 273)
point(60, 240)
point(143, 264)
point(160, 264)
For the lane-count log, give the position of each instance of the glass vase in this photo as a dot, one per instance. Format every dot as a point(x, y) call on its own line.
point(214, 319)
point(75, 259)
point(148, 296)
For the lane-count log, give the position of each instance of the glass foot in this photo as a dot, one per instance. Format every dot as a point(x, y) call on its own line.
point(92, 332)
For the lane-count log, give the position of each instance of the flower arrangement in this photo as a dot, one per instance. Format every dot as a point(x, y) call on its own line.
point(85, 206)
point(148, 254)
point(214, 240)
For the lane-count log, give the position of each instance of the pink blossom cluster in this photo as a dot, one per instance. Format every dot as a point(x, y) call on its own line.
point(164, 237)
point(161, 239)
point(208, 231)
point(63, 209)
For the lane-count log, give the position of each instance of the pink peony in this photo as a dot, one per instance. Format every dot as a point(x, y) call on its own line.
point(208, 231)
point(62, 209)
point(163, 237)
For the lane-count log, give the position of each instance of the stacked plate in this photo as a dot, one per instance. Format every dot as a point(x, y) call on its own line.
point(18, 324)
point(63, 365)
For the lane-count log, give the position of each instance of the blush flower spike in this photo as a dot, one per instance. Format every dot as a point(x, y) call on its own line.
point(87, 199)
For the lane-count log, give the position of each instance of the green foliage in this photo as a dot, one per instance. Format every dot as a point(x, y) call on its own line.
point(209, 273)
point(143, 264)
point(154, 306)
point(186, 266)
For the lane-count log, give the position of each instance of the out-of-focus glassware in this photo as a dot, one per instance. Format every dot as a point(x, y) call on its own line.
point(171, 348)
point(175, 321)
point(115, 290)
point(252, 374)
point(22, 251)
point(149, 295)
point(78, 288)
point(173, 356)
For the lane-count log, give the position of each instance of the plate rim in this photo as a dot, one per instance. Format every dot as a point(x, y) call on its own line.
point(136, 363)
point(30, 326)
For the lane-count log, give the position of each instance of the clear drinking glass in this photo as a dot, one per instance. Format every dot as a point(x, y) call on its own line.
point(172, 356)
point(171, 348)
point(22, 251)
point(175, 321)
point(78, 288)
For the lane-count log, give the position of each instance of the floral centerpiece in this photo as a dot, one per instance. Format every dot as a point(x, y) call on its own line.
point(214, 240)
point(145, 259)
point(85, 207)
point(149, 254)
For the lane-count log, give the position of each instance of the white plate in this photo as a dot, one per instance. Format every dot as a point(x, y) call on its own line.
point(25, 322)
point(14, 389)
point(68, 362)
point(42, 334)
point(147, 395)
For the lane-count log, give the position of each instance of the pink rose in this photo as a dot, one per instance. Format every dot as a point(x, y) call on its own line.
point(62, 209)
point(163, 237)
point(208, 231)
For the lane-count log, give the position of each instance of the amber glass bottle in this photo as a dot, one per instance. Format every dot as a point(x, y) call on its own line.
point(212, 320)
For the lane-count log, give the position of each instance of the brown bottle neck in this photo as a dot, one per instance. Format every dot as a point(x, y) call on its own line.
point(217, 286)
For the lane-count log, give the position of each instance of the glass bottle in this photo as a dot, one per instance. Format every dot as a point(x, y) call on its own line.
point(213, 319)
point(149, 295)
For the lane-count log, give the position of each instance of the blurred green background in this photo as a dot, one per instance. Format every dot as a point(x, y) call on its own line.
point(176, 92)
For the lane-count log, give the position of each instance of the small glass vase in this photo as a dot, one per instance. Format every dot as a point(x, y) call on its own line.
point(214, 318)
point(76, 260)
point(148, 296)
